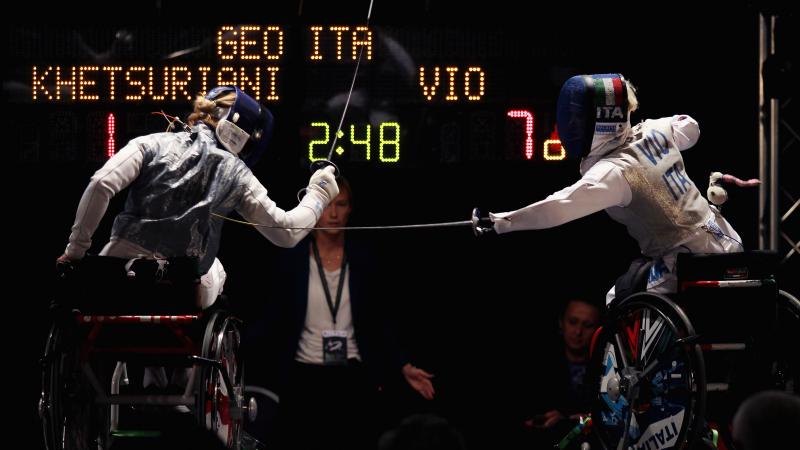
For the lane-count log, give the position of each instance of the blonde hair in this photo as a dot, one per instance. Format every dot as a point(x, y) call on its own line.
point(633, 102)
point(208, 111)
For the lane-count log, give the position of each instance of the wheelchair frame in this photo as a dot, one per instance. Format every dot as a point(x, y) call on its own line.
point(659, 401)
point(84, 369)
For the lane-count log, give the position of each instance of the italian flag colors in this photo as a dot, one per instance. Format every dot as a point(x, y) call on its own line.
point(608, 91)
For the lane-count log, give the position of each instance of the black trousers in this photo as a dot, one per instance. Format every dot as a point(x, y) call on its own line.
point(328, 407)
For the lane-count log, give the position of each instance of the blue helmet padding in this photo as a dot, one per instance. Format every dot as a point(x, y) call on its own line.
point(575, 115)
point(252, 117)
point(578, 110)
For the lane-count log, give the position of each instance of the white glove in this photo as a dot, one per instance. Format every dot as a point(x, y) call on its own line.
point(324, 182)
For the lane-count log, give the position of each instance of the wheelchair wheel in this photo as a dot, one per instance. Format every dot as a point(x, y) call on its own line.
point(50, 402)
point(259, 432)
point(70, 418)
point(222, 408)
point(650, 380)
point(786, 366)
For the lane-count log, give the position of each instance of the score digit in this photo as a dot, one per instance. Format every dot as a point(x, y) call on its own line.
point(323, 142)
point(528, 116)
point(395, 141)
point(364, 141)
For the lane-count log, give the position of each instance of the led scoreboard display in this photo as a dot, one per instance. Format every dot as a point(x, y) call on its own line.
point(421, 96)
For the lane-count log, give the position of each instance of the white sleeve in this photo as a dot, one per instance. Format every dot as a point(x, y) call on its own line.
point(258, 208)
point(115, 175)
point(603, 186)
point(685, 131)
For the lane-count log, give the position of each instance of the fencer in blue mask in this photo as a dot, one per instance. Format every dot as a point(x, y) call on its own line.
point(635, 173)
point(177, 180)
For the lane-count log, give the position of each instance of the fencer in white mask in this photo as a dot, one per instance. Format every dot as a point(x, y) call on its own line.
point(636, 174)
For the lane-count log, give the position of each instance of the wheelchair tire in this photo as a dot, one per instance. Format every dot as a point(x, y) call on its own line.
point(649, 381)
point(70, 418)
point(786, 366)
point(50, 402)
point(219, 410)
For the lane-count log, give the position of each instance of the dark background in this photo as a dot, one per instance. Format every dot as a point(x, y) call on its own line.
point(476, 312)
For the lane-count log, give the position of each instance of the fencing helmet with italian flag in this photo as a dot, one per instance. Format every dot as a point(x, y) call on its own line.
point(590, 107)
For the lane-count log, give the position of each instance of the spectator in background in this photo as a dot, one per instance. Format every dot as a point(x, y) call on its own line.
point(335, 342)
point(766, 421)
point(563, 395)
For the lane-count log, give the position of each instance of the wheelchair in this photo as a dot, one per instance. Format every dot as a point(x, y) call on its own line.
point(113, 317)
point(665, 368)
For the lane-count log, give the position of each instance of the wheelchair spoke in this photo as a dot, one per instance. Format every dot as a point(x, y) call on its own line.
point(646, 396)
point(621, 351)
point(615, 408)
point(630, 419)
point(652, 330)
point(222, 408)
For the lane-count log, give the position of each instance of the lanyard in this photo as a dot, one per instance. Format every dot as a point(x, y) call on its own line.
point(333, 307)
